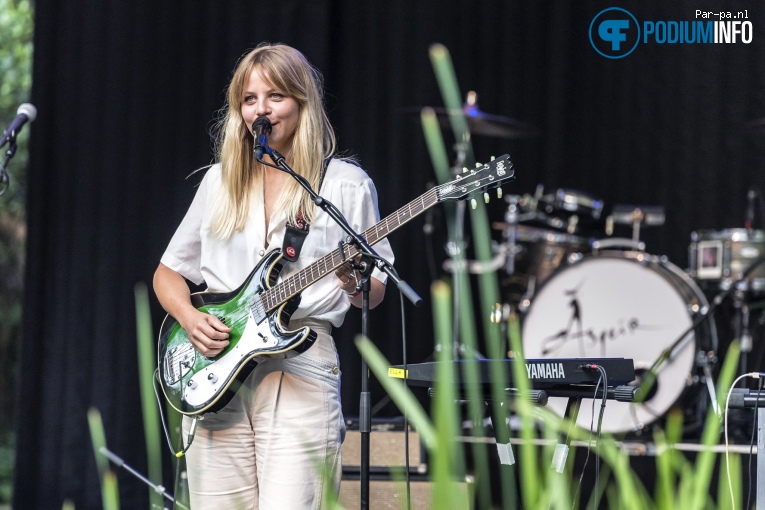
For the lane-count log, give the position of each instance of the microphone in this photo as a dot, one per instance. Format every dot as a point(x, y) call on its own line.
point(749, 209)
point(26, 113)
point(261, 128)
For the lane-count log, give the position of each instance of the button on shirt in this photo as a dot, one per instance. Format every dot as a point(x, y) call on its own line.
point(224, 264)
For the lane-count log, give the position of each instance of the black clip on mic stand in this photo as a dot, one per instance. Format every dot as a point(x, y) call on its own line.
point(365, 266)
point(157, 488)
point(9, 153)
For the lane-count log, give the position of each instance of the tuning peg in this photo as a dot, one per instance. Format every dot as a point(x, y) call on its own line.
point(493, 158)
point(478, 165)
point(486, 198)
point(499, 192)
point(473, 203)
point(464, 169)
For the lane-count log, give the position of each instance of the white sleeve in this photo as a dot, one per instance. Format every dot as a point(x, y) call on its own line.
point(183, 254)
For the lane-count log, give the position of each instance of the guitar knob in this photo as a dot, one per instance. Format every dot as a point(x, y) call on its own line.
point(192, 384)
point(212, 378)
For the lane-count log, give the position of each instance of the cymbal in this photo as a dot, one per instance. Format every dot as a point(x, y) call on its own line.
point(482, 123)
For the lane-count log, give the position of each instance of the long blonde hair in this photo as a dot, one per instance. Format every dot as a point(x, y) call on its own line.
point(287, 70)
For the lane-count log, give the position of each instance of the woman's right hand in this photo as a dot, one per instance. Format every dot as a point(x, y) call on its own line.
point(206, 332)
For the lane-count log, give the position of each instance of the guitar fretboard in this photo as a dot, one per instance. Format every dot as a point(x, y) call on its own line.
point(304, 278)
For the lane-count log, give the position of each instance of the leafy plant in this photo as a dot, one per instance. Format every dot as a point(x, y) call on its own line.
point(16, 31)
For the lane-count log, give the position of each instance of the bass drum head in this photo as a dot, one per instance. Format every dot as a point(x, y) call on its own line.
point(618, 305)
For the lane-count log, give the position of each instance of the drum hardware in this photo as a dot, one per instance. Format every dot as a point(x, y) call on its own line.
point(720, 257)
point(741, 327)
point(705, 360)
point(648, 215)
point(618, 242)
point(477, 266)
point(511, 220)
point(566, 210)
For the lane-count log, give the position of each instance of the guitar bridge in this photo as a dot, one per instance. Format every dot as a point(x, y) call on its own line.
point(178, 361)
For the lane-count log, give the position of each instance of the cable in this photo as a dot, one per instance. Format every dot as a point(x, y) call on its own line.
point(192, 431)
point(755, 375)
point(751, 445)
point(603, 375)
point(406, 419)
point(589, 440)
point(161, 412)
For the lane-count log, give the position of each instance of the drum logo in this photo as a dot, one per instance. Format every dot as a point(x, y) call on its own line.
point(575, 330)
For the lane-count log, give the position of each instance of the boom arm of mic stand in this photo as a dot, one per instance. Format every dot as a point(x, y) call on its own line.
point(354, 238)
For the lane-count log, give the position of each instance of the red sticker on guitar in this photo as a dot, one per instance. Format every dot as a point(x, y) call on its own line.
point(290, 251)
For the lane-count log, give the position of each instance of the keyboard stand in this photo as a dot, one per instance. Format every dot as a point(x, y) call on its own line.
point(742, 398)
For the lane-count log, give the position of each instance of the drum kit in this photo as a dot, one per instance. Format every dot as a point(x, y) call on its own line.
point(580, 292)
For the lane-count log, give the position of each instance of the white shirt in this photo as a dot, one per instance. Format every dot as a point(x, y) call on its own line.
point(223, 265)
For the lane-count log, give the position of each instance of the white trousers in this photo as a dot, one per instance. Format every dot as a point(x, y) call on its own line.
point(276, 445)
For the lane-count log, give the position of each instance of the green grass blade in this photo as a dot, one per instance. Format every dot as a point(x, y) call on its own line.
point(98, 441)
point(445, 461)
point(147, 363)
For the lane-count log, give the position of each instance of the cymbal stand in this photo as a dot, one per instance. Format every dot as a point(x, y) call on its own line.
point(455, 248)
point(511, 250)
point(511, 220)
point(741, 326)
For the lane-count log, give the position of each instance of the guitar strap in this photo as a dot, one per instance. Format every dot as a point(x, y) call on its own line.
point(296, 232)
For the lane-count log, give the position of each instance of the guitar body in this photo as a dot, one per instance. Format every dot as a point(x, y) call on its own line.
point(194, 384)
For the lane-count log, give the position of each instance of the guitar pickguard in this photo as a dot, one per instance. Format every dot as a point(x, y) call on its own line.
point(203, 385)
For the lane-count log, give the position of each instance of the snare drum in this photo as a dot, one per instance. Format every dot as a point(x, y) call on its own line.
point(565, 210)
point(621, 305)
point(719, 258)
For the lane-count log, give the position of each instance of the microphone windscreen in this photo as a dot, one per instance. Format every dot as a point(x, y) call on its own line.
point(29, 110)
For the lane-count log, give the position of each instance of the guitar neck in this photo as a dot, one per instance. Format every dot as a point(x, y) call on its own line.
point(309, 275)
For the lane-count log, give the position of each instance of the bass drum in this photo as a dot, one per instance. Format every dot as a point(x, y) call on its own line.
point(622, 305)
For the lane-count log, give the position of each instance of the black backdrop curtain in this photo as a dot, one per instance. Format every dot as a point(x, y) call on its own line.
point(126, 92)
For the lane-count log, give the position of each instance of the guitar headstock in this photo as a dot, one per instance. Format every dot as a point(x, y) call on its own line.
point(480, 179)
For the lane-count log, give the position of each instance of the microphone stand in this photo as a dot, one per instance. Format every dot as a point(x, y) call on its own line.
point(365, 266)
point(159, 489)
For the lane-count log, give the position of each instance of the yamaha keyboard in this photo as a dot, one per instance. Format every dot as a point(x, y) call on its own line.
point(542, 373)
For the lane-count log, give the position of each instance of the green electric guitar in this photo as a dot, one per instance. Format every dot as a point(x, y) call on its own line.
point(259, 311)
